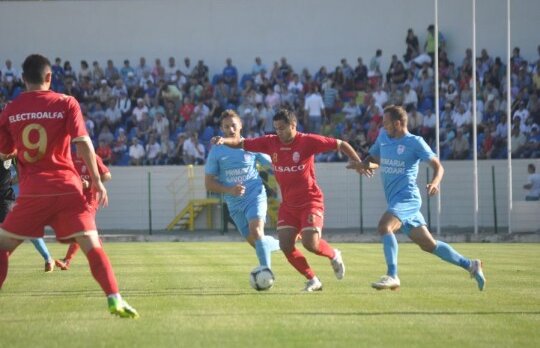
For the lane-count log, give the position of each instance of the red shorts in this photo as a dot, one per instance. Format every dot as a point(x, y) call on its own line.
point(69, 215)
point(308, 217)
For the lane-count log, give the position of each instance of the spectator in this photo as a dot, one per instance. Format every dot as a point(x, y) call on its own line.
point(533, 184)
point(315, 111)
point(105, 152)
point(153, 151)
point(230, 73)
point(460, 146)
point(136, 153)
point(194, 152)
point(413, 46)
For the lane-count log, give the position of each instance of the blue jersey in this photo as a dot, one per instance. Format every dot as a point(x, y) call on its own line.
point(237, 166)
point(399, 158)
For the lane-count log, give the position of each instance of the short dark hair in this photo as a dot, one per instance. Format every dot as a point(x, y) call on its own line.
point(397, 113)
point(285, 115)
point(34, 68)
point(228, 113)
point(532, 167)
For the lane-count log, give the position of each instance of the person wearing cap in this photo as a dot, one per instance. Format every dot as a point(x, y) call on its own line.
point(126, 70)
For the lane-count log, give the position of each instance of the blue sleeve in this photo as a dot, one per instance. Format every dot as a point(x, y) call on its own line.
point(422, 150)
point(375, 149)
point(263, 159)
point(212, 165)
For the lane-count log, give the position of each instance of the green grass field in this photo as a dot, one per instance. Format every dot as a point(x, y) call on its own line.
point(198, 295)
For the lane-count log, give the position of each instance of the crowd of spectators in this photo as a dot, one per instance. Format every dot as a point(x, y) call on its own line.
point(154, 114)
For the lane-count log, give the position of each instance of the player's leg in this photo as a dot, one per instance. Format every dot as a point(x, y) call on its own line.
point(76, 221)
point(388, 225)
point(287, 239)
point(421, 236)
point(264, 245)
point(66, 261)
point(312, 221)
point(7, 246)
point(42, 249)
point(103, 273)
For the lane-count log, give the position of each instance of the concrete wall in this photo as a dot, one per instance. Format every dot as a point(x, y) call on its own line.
point(172, 188)
point(310, 33)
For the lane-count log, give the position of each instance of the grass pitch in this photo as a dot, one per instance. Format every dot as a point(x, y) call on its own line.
point(198, 295)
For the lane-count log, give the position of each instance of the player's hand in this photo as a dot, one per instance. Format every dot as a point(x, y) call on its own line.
point(362, 168)
point(217, 140)
point(237, 190)
point(432, 189)
point(101, 192)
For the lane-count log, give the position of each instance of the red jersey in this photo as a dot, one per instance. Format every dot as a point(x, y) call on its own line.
point(294, 165)
point(82, 169)
point(40, 125)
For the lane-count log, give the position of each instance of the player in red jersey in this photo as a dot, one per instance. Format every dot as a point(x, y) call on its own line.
point(302, 208)
point(90, 196)
point(37, 128)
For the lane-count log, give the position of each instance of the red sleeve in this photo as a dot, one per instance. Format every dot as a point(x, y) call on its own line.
point(260, 144)
point(102, 168)
point(319, 143)
point(6, 142)
point(75, 122)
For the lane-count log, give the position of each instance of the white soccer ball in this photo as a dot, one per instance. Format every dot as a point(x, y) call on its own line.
point(261, 278)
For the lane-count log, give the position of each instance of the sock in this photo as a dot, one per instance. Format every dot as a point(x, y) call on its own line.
point(102, 270)
point(72, 250)
point(298, 261)
point(325, 249)
point(390, 247)
point(273, 243)
point(263, 253)
point(4, 263)
point(448, 254)
point(40, 246)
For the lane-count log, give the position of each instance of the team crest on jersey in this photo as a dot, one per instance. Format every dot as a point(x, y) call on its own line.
point(274, 157)
point(83, 169)
point(296, 157)
point(7, 164)
point(400, 149)
point(248, 157)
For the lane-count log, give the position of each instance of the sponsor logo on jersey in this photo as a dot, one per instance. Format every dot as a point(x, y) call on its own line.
point(400, 149)
point(274, 157)
point(248, 157)
point(291, 169)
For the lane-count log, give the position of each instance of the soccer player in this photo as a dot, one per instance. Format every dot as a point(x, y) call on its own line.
point(233, 172)
point(37, 128)
point(301, 211)
point(89, 195)
point(398, 152)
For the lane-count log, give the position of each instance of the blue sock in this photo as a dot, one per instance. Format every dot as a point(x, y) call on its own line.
point(263, 253)
point(390, 247)
point(40, 246)
point(273, 243)
point(448, 254)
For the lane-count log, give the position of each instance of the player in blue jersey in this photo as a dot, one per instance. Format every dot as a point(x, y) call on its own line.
point(398, 153)
point(233, 172)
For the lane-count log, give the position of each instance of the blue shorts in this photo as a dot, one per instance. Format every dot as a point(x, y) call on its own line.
point(256, 209)
point(409, 214)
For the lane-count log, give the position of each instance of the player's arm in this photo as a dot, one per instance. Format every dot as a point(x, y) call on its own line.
point(213, 185)
point(348, 150)
point(86, 150)
point(366, 167)
point(235, 143)
point(438, 172)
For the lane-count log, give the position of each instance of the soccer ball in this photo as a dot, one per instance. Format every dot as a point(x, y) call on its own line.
point(261, 278)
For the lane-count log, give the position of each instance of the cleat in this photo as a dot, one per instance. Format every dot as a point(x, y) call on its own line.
point(62, 264)
point(119, 307)
point(338, 265)
point(387, 282)
point(49, 266)
point(476, 272)
point(314, 284)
